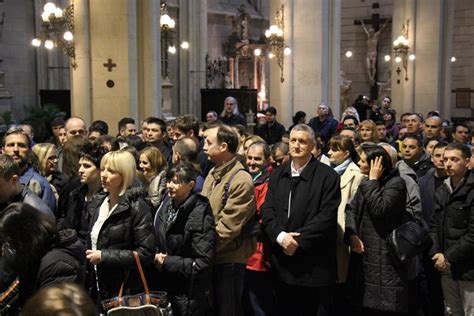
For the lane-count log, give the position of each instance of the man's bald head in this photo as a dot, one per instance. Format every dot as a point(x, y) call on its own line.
point(185, 150)
point(75, 128)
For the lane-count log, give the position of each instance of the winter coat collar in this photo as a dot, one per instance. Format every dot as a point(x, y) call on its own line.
point(219, 172)
point(307, 172)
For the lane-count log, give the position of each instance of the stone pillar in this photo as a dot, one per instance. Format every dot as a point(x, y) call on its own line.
point(127, 33)
point(307, 71)
point(149, 66)
point(192, 76)
point(425, 89)
point(81, 81)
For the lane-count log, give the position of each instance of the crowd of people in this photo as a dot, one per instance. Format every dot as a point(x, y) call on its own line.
point(226, 221)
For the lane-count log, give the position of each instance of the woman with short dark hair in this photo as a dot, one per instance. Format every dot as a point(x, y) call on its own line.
point(186, 243)
point(378, 207)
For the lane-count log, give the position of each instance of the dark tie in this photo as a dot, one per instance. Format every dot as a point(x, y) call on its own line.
point(294, 184)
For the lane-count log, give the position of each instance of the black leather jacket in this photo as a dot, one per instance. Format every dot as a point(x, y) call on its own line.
point(128, 228)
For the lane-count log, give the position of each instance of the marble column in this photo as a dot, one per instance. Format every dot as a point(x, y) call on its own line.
point(308, 71)
point(192, 74)
point(127, 33)
point(427, 75)
point(81, 81)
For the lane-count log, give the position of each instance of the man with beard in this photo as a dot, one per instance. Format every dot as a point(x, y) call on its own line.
point(17, 145)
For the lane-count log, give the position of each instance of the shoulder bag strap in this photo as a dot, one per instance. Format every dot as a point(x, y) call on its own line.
point(120, 294)
point(142, 276)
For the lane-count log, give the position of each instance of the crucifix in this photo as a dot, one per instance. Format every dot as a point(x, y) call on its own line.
point(373, 35)
point(110, 65)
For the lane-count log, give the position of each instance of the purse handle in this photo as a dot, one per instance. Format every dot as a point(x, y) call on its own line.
point(142, 278)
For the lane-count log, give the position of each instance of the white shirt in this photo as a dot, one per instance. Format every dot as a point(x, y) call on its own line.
point(294, 173)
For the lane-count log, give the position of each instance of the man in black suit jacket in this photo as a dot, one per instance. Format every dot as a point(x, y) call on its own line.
point(300, 219)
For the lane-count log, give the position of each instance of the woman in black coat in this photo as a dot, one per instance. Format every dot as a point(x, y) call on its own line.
point(376, 210)
point(76, 202)
point(121, 224)
point(36, 252)
point(186, 243)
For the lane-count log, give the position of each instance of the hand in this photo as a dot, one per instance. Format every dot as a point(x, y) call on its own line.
point(376, 168)
point(159, 260)
point(356, 244)
point(289, 244)
point(94, 256)
point(440, 262)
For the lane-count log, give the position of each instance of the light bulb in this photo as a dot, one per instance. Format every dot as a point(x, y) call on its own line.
point(49, 44)
point(401, 39)
point(49, 8)
point(172, 23)
point(398, 59)
point(411, 57)
point(268, 33)
point(287, 51)
point(45, 17)
point(279, 33)
point(406, 42)
point(257, 52)
point(348, 54)
point(165, 19)
point(172, 50)
point(36, 42)
point(387, 57)
point(273, 29)
point(68, 36)
point(184, 45)
point(396, 43)
point(453, 59)
point(58, 13)
point(271, 55)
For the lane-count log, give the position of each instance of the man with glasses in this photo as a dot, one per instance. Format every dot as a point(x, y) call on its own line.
point(17, 145)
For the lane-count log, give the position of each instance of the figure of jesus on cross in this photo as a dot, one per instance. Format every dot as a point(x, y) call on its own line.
point(372, 42)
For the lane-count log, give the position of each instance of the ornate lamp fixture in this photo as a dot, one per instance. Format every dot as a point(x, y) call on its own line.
point(402, 52)
point(57, 28)
point(167, 25)
point(276, 41)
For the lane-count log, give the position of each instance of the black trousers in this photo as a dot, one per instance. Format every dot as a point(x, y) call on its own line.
point(301, 300)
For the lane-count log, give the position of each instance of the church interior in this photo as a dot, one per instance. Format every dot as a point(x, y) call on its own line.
point(107, 59)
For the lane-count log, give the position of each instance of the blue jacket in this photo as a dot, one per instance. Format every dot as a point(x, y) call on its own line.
point(39, 185)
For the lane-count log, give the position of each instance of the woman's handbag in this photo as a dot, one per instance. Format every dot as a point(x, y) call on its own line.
point(408, 240)
point(146, 304)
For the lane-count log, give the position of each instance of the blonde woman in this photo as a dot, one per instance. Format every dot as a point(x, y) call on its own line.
point(368, 132)
point(152, 164)
point(121, 224)
point(47, 165)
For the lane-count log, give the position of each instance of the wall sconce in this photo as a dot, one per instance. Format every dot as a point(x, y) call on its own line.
point(402, 52)
point(167, 25)
point(276, 41)
point(57, 28)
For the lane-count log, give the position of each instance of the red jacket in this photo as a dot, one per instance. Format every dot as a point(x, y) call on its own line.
point(260, 259)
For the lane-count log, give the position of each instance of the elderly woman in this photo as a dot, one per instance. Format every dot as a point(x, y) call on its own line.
point(186, 243)
point(121, 224)
point(153, 164)
point(378, 207)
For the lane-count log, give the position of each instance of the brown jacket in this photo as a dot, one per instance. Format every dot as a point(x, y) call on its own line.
point(237, 211)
